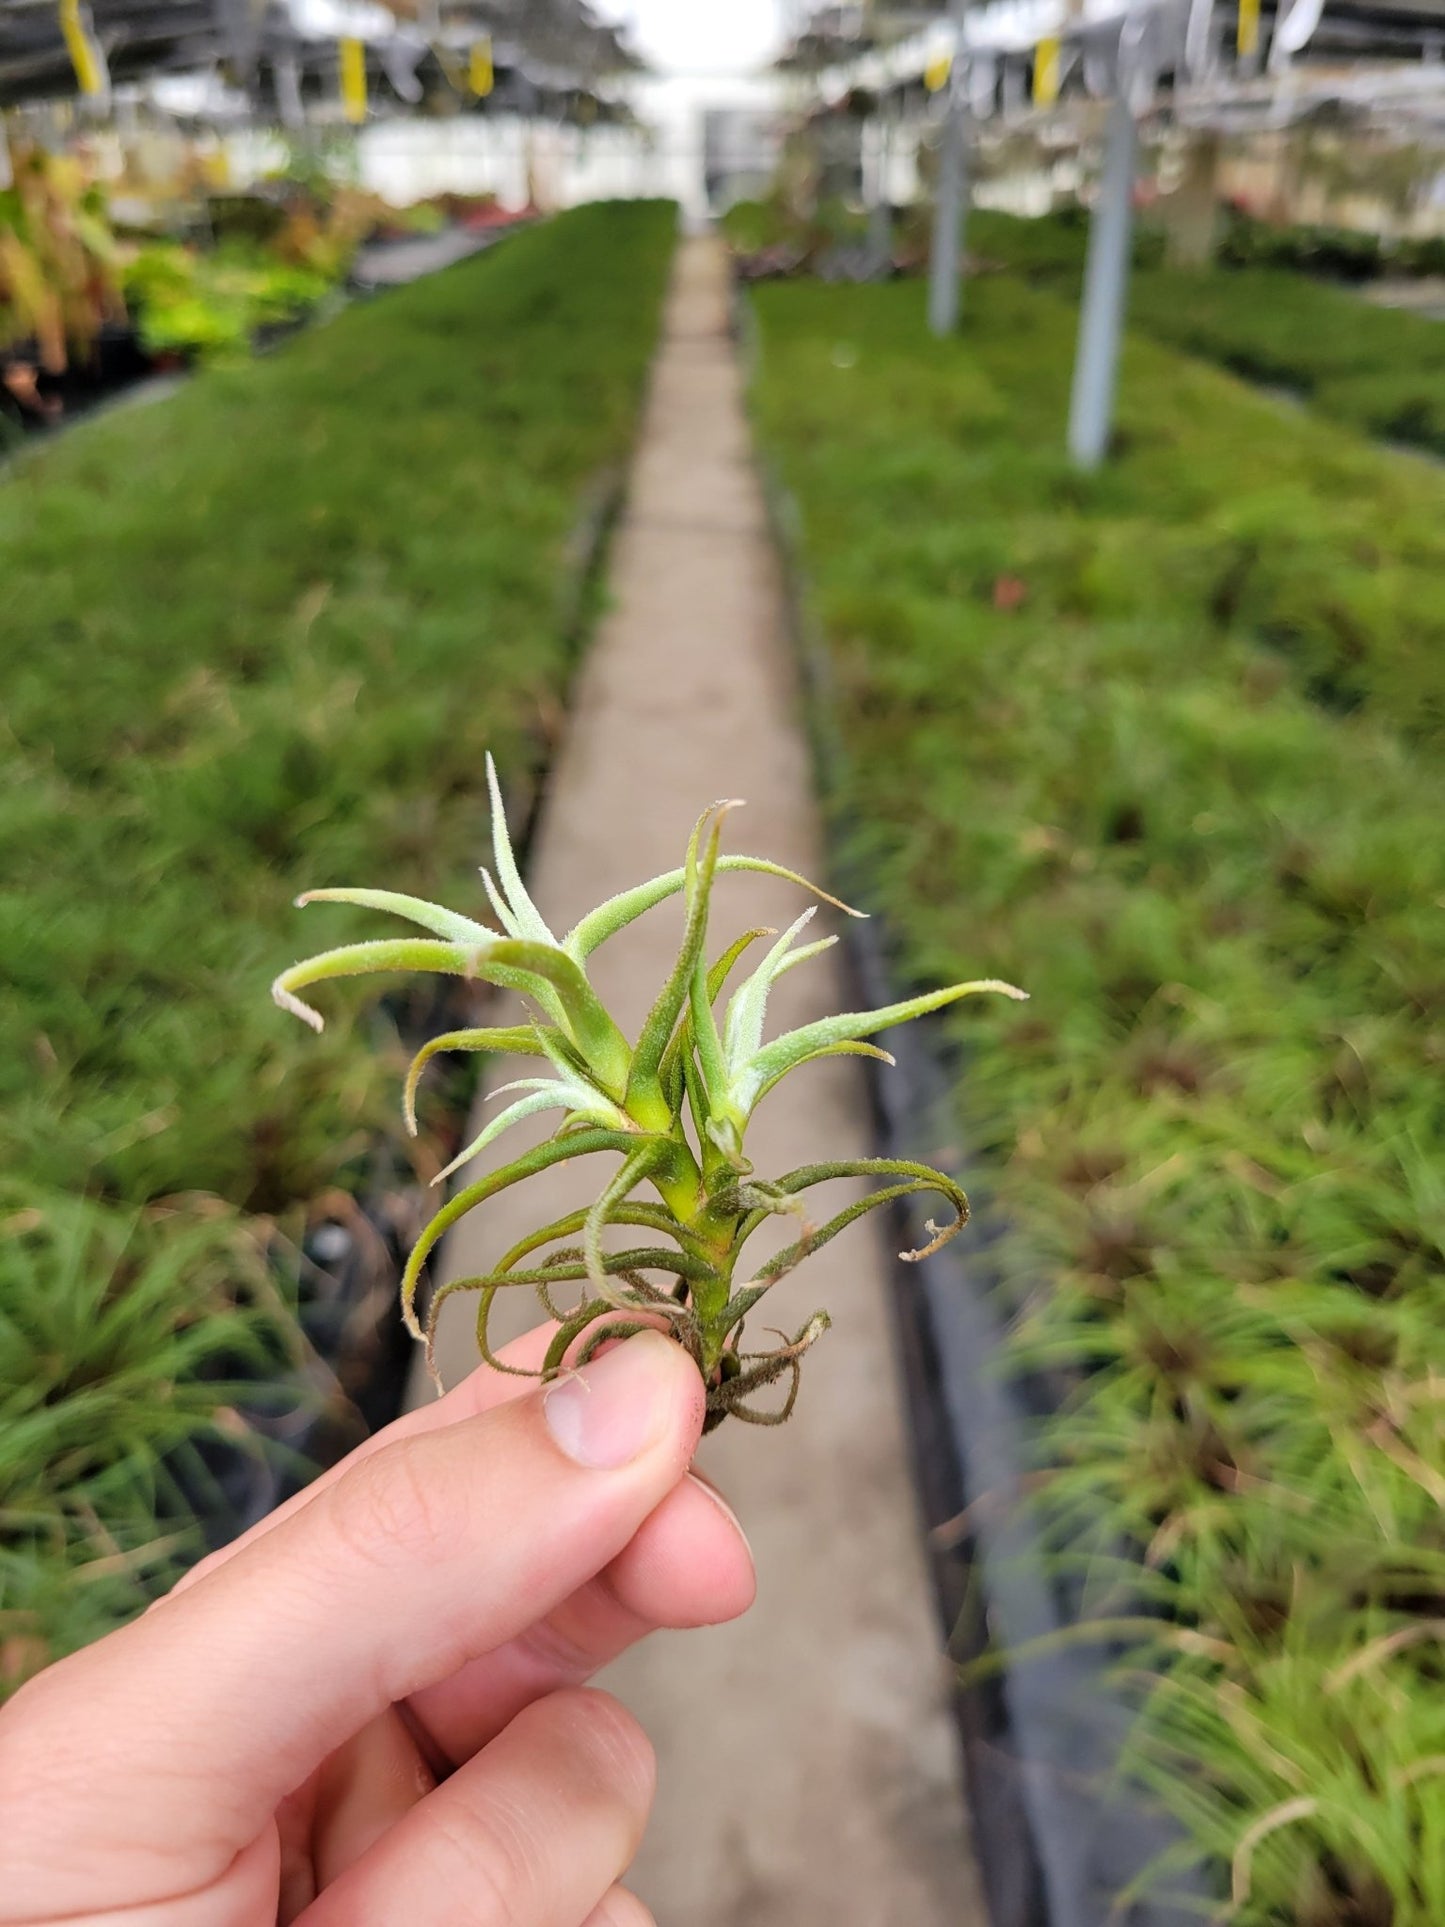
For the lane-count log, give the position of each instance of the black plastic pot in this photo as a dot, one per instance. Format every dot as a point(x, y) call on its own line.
point(355, 1353)
point(115, 362)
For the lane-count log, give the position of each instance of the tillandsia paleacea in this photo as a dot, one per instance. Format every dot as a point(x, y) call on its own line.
point(674, 1106)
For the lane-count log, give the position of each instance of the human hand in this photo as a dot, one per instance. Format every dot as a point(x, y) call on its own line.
point(365, 1712)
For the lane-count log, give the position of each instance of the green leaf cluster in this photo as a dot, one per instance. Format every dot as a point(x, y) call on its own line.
point(124, 1337)
point(674, 1106)
point(212, 305)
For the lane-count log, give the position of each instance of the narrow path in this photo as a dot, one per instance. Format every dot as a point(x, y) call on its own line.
point(392, 264)
point(808, 1775)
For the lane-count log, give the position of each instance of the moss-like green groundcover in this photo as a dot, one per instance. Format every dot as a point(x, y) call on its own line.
point(257, 637)
point(1162, 746)
point(1381, 370)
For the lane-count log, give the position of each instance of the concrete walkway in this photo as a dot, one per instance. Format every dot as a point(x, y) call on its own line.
point(807, 1764)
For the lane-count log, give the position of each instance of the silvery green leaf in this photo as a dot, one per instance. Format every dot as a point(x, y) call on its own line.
point(849, 1047)
point(645, 1095)
point(796, 1046)
point(719, 971)
point(364, 959)
point(528, 1164)
point(583, 1015)
point(569, 1062)
point(501, 909)
point(543, 1095)
point(639, 1163)
point(431, 916)
point(805, 953)
point(614, 915)
point(706, 1044)
point(679, 1051)
point(522, 1040)
point(528, 918)
point(743, 1026)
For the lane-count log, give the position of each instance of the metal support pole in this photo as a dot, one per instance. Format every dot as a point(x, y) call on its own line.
point(1106, 286)
point(880, 211)
point(950, 209)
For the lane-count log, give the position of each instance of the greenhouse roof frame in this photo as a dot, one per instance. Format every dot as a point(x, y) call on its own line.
point(559, 45)
point(1362, 55)
point(137, 37)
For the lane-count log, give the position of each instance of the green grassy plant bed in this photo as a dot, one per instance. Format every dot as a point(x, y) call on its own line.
point(258, 636)
point(1102, 748)
point(1379, 370)
point(1331, 253)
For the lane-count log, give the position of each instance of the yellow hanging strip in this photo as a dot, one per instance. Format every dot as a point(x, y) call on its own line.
point(1046, 72)
point(85, 56)
point(481, 75)
point(936, 73)
point(1247, 34)
point(353, 79)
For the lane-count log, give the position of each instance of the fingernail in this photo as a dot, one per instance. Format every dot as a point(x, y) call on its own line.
point(609, 1412)
point(722, 1505)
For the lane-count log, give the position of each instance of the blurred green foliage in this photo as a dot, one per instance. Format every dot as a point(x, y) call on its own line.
point(764, 227)
point(123, 1334)
point(212, 305)
point(1332, 253)
point(1381, 370)
point(1161, 745)
point(259, 636)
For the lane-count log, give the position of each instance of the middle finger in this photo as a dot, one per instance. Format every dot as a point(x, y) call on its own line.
point(688, 1564)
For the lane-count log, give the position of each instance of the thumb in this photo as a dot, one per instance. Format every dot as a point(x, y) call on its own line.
point(165, 1749)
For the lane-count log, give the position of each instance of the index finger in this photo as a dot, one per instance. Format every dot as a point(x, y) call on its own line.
point(480, 1391)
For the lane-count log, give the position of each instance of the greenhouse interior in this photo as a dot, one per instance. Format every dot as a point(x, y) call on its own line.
point(455, 453)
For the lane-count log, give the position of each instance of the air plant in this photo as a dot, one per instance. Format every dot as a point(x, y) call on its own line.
point(694, 1191)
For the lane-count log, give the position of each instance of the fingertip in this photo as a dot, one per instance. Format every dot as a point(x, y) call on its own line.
point(600, 1726)
point(689, 1563)
point(621, 1908)
point(641, 1397)
point(706, 1486)
point(732, 1570)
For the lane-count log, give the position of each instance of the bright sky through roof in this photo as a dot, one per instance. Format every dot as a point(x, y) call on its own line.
point(700, 36)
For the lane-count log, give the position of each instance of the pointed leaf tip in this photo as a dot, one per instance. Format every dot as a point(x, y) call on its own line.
point(523, 918)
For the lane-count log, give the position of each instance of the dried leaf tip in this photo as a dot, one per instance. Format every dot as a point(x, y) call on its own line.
point(290, 1002)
